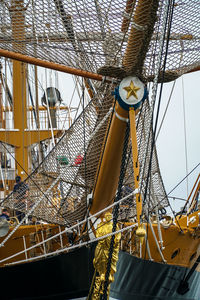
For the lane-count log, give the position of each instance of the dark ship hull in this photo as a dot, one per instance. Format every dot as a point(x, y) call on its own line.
point(147, 280)
point(69, 276)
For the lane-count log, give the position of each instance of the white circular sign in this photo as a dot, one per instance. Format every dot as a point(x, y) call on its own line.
point(131, 90)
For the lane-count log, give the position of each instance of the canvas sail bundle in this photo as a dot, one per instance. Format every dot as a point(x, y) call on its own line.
point(91, 35)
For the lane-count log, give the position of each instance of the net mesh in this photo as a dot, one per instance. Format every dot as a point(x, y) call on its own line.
point(59, 186)
point(110, 37)
point(93, 34)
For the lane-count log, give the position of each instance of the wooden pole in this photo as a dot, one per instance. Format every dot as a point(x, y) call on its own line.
point(136, 166)
point(19, 90)
point(108, 176)
point(50, 65)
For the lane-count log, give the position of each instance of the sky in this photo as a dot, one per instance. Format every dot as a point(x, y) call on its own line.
point(171, 140)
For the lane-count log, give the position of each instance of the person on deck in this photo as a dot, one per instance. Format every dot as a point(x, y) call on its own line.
point(5, 214)
point(20, 191)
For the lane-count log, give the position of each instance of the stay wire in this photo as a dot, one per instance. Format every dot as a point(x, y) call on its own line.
point(166, 197)
point(166, 109)
point(185, 136)
point(169, 15)
point(116, 210)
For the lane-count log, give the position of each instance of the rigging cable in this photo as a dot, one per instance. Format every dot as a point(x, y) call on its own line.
point(116, 210)
point(48, 110)
point(185, 137)
point(170, 15)
point(84, 150)
point(164, 115)
point(174, 189)
point(167, 29)
point(28, 177)
point(155, 68)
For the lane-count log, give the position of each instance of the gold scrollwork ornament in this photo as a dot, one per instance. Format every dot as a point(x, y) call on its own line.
point(102, 253)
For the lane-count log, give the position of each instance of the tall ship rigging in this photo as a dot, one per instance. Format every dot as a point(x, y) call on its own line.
point(97, 212)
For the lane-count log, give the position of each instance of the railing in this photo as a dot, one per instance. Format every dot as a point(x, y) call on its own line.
point(8, 174)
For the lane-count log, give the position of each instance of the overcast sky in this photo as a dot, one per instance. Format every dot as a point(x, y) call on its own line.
point(171, 140)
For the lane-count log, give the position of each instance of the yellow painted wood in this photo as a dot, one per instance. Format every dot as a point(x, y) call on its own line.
point(20, 137)
point(108, 175)
point(29, 137)
point(185, 244)
point(16, 243)
point(191, 221)
point(19, 88)
point(136, 166)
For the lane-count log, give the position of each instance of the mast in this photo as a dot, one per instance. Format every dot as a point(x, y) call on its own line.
point(20, 137)
point(17, 11)
point(107, 180)
point(110, 167)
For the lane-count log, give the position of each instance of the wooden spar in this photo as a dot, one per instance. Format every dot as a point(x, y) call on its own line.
point(136, 40)
point(194, 70)
point(107, 179)
point(62, 68)
point(129, 9)
point(136, 166)
point(50, 65)
point(19, 91)
point(39, 108)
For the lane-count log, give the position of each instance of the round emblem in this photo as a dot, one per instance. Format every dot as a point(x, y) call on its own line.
point(131, 90)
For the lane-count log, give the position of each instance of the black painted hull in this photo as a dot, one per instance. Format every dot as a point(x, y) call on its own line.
point(138, 279)
point(69, 276)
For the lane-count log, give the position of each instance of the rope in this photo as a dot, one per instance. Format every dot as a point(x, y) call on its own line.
point(185, 137)
point(170, 14)
point(173, 197)
point(30, 211)
point(116, 211)
point(166, 109)
point(48, 110)
point(154, 88)
point(65, 249)
point(95, 215)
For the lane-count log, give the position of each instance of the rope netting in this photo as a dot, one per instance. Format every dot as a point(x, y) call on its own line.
point(58, 188)
point(102, 34)
point(112, 37)
point(60, 183)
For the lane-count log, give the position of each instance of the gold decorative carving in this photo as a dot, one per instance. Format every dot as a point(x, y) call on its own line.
point(102, 253)
point(131, 90)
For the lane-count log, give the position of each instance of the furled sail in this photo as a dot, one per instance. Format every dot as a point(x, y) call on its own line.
point(91, 35)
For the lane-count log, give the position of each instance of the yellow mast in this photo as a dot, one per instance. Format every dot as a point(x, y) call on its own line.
point(107, 180)
point(20, 137)
point(17, 11)
point(136, 166)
